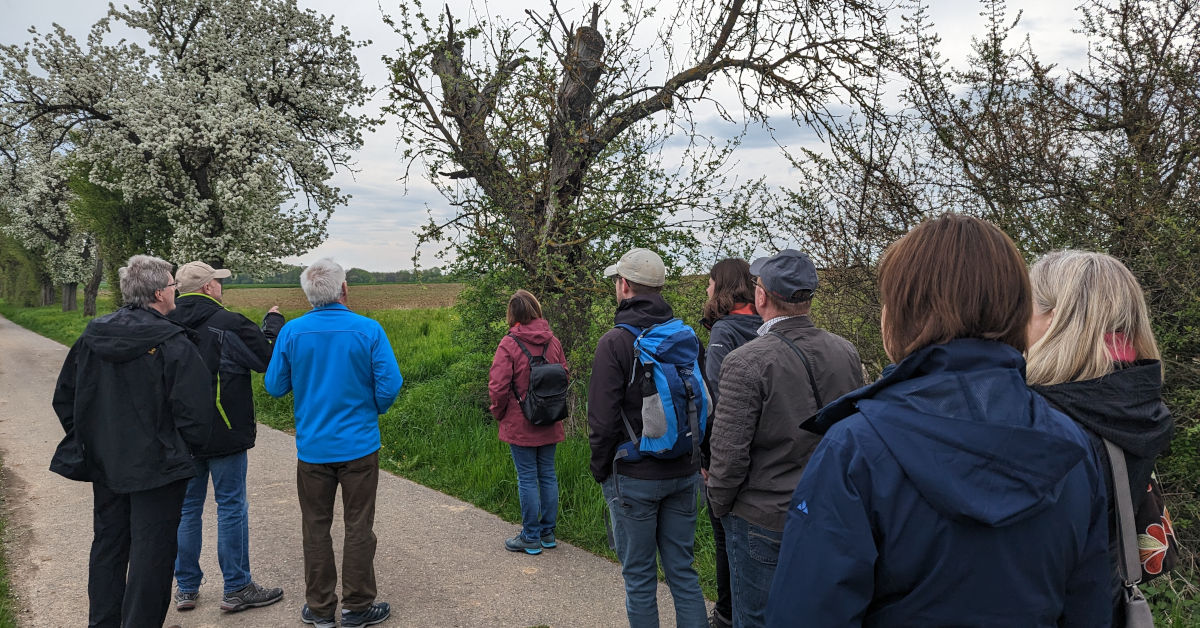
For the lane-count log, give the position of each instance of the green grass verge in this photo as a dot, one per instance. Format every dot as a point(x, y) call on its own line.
point(8, 605)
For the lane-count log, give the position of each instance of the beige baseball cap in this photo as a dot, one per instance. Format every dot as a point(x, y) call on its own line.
point(640, 266)
point(192, 275)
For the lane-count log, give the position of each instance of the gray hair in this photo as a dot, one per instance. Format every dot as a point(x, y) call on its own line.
point(141, 277)
point(322, 282)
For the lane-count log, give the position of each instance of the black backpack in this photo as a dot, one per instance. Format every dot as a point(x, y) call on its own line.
point(546, 401)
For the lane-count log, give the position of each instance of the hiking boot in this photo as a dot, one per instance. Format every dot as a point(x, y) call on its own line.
point(185, 601)
point(250, 596)
point(717, 620)
point(548, 541)
point(369, 616)
point(519, 544)
point(308, 617)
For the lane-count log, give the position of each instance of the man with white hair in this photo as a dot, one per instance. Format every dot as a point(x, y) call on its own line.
point(343, 374)
point(134, 399)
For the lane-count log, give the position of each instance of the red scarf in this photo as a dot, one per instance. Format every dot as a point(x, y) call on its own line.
point(1119, 348)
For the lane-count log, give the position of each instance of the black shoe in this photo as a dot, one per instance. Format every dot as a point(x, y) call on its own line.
point(519, 544)
point(717, 620)
point(185, 601)
point(369, 616)
point(250, 596)
point(309, 617)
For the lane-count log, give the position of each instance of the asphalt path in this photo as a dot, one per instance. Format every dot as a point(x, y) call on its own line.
point(440, 561)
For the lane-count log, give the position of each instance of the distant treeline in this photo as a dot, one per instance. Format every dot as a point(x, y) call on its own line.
point(356, 276)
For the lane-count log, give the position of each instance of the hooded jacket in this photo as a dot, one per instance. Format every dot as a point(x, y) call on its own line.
point(231, 346)
point(946, 494)
point(609, 393)
point(133, 397)
point(728, 333)
point(510, 368)
point(1126, 408)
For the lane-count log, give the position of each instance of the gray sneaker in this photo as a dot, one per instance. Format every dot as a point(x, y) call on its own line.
point(368, 616)
point(309, 617)
point(250, 596)
point(185, 601)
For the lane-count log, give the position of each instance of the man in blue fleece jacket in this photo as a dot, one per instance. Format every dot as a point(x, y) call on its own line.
point(341, 369)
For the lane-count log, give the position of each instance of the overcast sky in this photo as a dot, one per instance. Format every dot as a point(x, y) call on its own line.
point(377, 229)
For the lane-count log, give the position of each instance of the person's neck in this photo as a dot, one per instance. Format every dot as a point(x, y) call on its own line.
point(160, 307)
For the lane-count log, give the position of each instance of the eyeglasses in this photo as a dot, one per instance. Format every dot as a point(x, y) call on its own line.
point(170, 285)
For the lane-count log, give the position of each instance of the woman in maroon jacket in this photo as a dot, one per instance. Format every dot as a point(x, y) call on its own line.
point(532, 445)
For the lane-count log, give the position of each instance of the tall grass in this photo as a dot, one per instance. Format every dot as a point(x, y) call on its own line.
point(8, 606)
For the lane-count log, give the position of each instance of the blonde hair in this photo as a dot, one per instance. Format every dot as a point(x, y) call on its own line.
point(1092, 295)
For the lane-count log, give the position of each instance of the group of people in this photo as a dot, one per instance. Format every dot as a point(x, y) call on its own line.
point(156, 398)
point(968, 485)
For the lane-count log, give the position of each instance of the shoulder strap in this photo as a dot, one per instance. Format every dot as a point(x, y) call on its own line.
point(812, 382)
point(1130, 563)
point(524, 350)
point(631, 329)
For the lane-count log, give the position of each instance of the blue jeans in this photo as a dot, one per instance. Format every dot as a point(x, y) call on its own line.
point(537, 487)
point(656, 518)
point(753, 554)
point(233, 523)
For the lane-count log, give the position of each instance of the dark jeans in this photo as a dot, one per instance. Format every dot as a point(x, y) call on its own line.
point(233, 524)
point(133, 555)
point(724, 604)
point(753, 556)
point(316, 485)
point(656, 519)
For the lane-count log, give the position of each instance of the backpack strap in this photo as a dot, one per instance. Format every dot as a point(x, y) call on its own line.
point(1129, 566)
point(812, 382)
point(512, 384)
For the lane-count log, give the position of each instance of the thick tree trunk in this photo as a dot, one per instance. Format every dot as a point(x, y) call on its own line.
point(70, 296)
point(48, 295)
point(92, 289)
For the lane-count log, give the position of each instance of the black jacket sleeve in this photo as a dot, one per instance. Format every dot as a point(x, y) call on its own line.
point(606, 395)
point(189, 392)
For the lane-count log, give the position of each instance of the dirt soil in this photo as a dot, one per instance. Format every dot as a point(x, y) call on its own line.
point(440, 561)
point(362, 297)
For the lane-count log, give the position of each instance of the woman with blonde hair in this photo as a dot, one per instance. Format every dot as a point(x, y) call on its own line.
point(532, 446)
point(1093, 355)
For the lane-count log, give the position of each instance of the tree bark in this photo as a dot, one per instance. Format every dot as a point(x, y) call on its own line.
point(92, 289)
point(48, 296)
point(70, 296)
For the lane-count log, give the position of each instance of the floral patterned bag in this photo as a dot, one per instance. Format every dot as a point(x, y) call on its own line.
point(1157, 546)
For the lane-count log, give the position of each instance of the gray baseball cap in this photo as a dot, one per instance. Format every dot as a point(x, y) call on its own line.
point(786, 273)
point(640, 266)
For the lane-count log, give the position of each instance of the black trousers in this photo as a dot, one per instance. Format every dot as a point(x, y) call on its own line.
point(134, 536)
point(316, 486)
point(724, 594)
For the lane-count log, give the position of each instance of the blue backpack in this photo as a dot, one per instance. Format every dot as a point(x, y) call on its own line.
point(675, 402)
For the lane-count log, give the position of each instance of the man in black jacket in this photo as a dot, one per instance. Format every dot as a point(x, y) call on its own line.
point(133, 397)
point(652, 501)
point(231, 346)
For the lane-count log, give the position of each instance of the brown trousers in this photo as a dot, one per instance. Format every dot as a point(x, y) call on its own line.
point(316, 485)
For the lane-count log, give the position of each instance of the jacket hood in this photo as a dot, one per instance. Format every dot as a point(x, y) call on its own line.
point(744, 326)
point(192, 308)
point(975, 441)
point(535, 332)
point(1124, 407)
point(128, 333)
point(644, 311)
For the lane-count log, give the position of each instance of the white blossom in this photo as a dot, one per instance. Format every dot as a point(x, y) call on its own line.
point(232, 119)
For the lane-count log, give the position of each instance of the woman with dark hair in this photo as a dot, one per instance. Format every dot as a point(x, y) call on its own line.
point(947, 492)
point(1093, 355)
point(730, 317)
point(532, 445)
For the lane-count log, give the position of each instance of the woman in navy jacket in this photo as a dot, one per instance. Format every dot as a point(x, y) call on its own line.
point(947, 493)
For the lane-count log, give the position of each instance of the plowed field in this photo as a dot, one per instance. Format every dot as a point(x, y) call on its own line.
point(361, 298)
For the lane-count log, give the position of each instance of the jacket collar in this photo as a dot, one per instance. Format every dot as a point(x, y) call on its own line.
point(960, 354)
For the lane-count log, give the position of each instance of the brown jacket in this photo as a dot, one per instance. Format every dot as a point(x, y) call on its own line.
point(758, 448)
